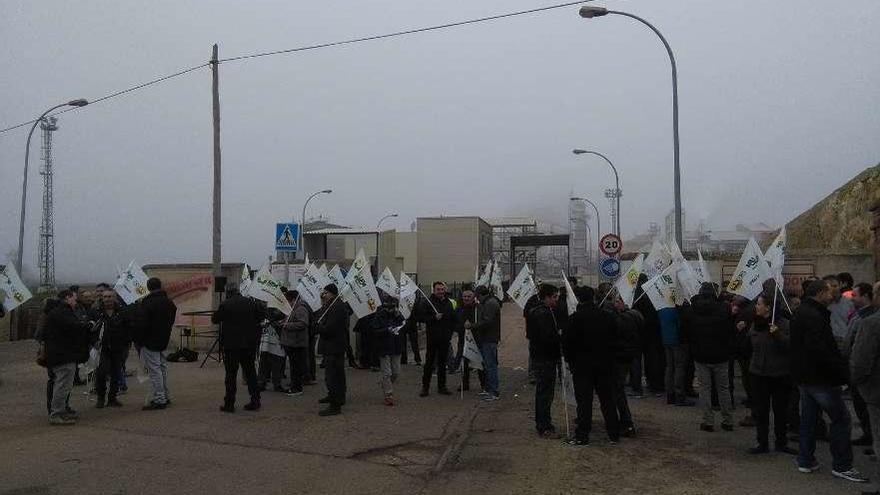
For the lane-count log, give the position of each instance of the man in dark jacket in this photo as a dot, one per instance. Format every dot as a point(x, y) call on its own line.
point(115, 329)
point(466, 313)
point(67, 343)
point(239, 318)
point(588, 346)
point(439, 317)
point(708, 331)
point(487, 334)
point(333, 333)
point(627, 347)
point(530, 305)
point(652, 344)
point(153, 331)
point(295, 339)
point(543, 334)
point(865, 364)
point(820, 372)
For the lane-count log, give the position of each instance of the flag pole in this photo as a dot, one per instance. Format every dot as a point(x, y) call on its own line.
point(779, 289)
point(773, 316)
point(325, 311)
point(565, 400)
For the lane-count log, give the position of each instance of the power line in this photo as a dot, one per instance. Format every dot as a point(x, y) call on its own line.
point(310, 47)
point(114, 95)
point(402, 33)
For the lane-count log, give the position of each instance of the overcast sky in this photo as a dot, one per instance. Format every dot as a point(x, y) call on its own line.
point(779, 106)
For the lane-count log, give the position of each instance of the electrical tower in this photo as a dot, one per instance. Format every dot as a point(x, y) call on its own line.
point(47, 226)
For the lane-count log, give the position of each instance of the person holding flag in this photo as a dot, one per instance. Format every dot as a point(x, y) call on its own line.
point(466, 314)
point(588, 346)
point(333, 332)
point(240, 318)
point(295, 338)
point(438, 315)
point(385, 325)
point(542, 332)
point(115, 339)
point(487, 332)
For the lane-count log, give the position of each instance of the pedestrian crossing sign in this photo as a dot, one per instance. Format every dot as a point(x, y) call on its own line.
point(286, 237)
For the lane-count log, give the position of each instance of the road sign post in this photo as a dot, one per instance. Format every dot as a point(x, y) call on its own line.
point(287, 237)
point(610, 267)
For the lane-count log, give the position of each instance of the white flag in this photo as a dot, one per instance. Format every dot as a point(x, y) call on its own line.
point(626, 284)
point(132, 283)
point(688, 281)
point(663, 290)
point(568, 386)
point(751, 272)
point(523, 287)
point(495, 281)
point(325, 274)
point(364, 299)
point(408, 292)
point(14, 292)
point(657, 260)
point(485, 277)
point(471, 351)
point(701, 269)
point(775, 257)
point(270, 343)
point(245, 282)
point(387, 283)
point(265, 288)
point(334, 276)
point(309, 288)
point(570, 299)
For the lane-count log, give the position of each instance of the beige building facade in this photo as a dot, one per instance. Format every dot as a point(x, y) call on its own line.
point(450, 248)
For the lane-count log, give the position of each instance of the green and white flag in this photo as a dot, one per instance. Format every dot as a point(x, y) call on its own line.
point(309, 288)
point(265, 288)
point(626, 284)
point(663, 290)
point(387, 283)
point(701, 269)
point(364, 299)
point(750, 273)
point(471, 351)
point(523, 287)
point(132, 283)
point(658, 259)
point(12, 290)
point(485, 277)
point(408, 293)
point(495, 281)
point(245, 282)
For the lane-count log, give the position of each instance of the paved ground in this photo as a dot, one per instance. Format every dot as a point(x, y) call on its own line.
point(435, 445)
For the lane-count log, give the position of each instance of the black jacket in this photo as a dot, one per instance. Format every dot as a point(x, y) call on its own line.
point(588, 342)
point(815, 357)
point(382, 322)
point(155, 318)
point(438, 331)
point(487, 328)
point(333, 329)
point(708, 330)
point(628, 341)
point(530, 305)
point(66, 337)
point(543, 333)
point(117, 329)
point(240, 318)
point(651, 328)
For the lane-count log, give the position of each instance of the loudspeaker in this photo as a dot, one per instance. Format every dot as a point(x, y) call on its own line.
point(220, 284)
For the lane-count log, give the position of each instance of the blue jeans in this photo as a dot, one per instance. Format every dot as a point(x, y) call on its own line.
point(489, 351)
point(830, 400)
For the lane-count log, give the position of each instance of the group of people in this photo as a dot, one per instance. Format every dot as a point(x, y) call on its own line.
point(100, 331)
point(798, 357)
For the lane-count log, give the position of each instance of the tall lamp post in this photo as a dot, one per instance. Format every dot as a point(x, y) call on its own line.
point(589, 12)
point(378, 225)
point(27, 152)
point(302, 226)
point(598, 221)
point(617, 192)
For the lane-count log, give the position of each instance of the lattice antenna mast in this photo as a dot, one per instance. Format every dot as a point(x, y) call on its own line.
point(47, 226)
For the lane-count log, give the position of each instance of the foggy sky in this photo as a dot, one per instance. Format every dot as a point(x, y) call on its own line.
point(778, 107)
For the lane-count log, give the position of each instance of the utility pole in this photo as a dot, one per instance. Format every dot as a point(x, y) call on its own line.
point(215, 258)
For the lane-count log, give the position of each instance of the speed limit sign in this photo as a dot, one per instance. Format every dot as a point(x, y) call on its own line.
point(610, 245)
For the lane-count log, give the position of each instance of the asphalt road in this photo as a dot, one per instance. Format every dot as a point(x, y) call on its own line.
point(433, 445)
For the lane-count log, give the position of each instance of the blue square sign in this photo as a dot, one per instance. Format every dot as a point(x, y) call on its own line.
point(286, 237)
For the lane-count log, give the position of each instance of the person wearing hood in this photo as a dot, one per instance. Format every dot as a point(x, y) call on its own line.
point(385, 327)
point(588, 347)
point(708, 329)
point(152, 333)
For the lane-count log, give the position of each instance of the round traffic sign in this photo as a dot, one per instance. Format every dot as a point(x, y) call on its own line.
point(610, 245)
point(610, 267)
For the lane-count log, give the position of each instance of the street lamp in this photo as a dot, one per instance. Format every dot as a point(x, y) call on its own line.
point(589, 12)
point(378, 225)
point(302, 226)
point(598, 220)
point(27, 151)
point(617, 192)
